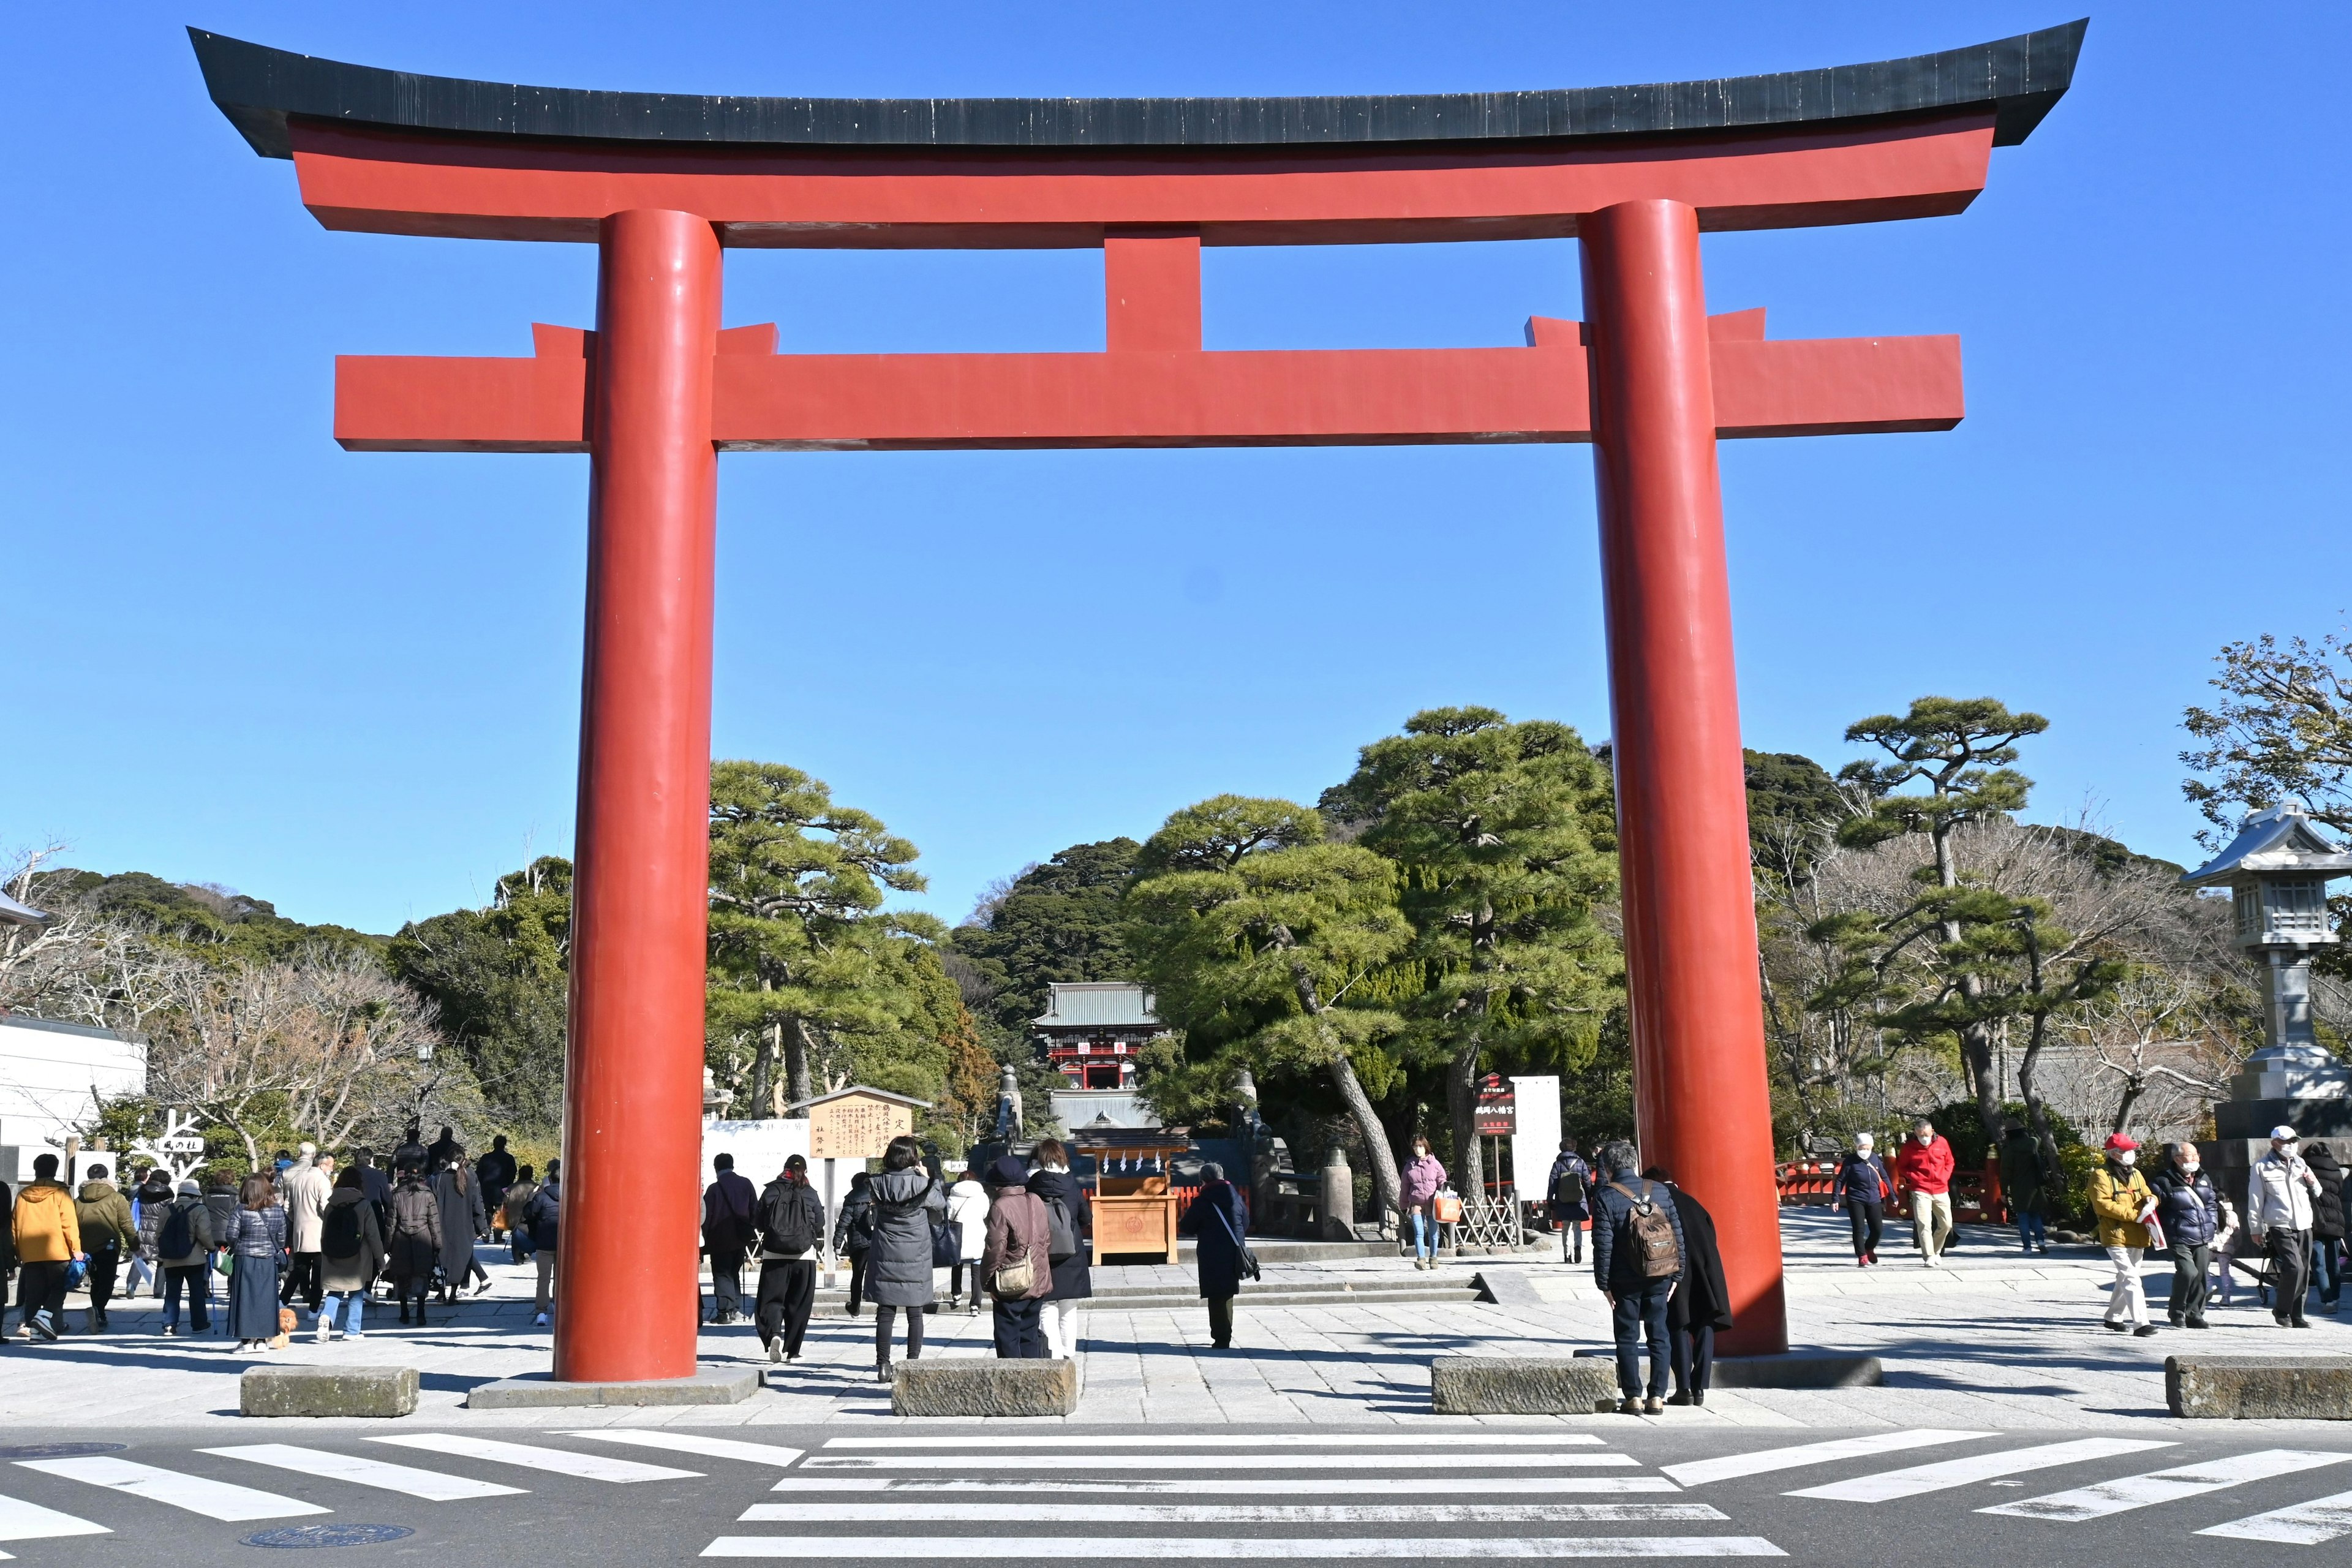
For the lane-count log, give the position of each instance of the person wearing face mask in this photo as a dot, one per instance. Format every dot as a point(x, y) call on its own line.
point(1925, 1169)
point(1861, 1187)
point(2122, 1205)
point(2280, 1195)
point(1422, 1176)
point(2191, 1214)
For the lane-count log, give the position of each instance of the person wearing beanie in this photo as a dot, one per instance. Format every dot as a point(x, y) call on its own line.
point(1016, 1263)
point(2124, 1206)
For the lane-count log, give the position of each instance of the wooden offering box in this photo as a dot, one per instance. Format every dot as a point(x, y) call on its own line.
point(1135, 1214)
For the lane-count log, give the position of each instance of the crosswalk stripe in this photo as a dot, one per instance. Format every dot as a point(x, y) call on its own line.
point(2309, 1523)
point(695, 1443)
point(1026, 1462)
point(1948, 1473)
point(1271, 1440)
point(960, 1548)
point(197, 1494)
point(1212, 1486)
point(1221, 1513)
point(1699, 1471)
point(21, 1520)
point(433, 1485)
point(562, 1461)
point(2165, 1486)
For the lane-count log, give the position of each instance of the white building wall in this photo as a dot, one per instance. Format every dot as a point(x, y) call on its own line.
point(51, 1078)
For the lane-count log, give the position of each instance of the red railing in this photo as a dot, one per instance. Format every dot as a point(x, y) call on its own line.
point(1976, 1195)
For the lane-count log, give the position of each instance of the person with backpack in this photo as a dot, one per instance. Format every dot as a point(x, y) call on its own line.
point(1701, 1304)
point(351, 1251)
point(1861, 1187)
point(1637, 1261)
point(789, 1225)
point(1570, 1176)
point(1219, 1219)
point(1070, 1223)
point(907, 1202)
point(853, 1234)
point(185, 1235)
point(415, 1243)
point(541, 1217)
point(1014, 1261)
point(967, 1217)
point(109, 1235)
point(519, 1195)
point(2027, 1181)
point(727, 1235)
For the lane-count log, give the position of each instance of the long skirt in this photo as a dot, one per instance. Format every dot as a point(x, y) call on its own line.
point(253, 1298)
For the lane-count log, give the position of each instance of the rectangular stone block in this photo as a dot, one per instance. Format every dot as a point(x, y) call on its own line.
point(1521, 1386)
point(712, 1386)
point(1800, 1369)
point(975, 1385)
point(2259, 1388)
point(327, 1391)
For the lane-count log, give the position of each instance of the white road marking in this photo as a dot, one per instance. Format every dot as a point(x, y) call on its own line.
point(2309, 1523)
point(1278, 1439)
point(1948, 1473)
point(1449, 1486)
point(959, 1548)
point(2165, 1486)
point(21, 1520)
point(1001, 1460)
point(433, 1485)
point(562, 1461)
point(695, 1443)
point(1699, 1471)
point(214, 1499)
point(1220, 1513)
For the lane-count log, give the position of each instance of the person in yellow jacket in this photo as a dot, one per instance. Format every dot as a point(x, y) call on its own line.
point(2123, 1204)
point(47, 1231)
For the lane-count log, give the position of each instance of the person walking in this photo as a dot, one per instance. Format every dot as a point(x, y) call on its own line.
point(1637, 1261)
point(727, 1235)
point(789, 1222)
point(2190, 1214)
point(304, 1188)
point(46, 1228)
point(459, 1198)
point(415, 1243)
point(2027, 1181)
point(377, 1186)
point(2326, 1225)
point(853, 1234)
point(445, 1149)
point(1422, 1179)
point(2281, 1194)
point(519, 1195)
point(2122, 1205)
point(1218, 1220)
point(1014, 1261)
point(1567, 1186)
point(351, 1251)
point(495, 1173)
point(1861, 1187)
point(257, 1250)
point(907, 1200)
point(968, 1213)
point(408, 1154)
point(542, 1216)
point(150, 1196)
point(184, 1239)
point(1070, 1222)
point(109, 1235)
point(1925, 1170)
point(1701, 1304)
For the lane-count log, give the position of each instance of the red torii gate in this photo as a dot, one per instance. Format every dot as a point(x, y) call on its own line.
point(663, 184)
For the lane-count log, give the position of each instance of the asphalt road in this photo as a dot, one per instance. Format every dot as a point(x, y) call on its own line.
point(969, 1492)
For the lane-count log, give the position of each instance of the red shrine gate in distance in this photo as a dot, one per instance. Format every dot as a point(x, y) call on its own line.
point(664, 183)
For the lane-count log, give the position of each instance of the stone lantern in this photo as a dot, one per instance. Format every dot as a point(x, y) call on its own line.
point(2277, 872)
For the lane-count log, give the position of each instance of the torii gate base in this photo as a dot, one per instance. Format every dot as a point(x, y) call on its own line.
point(662, 184)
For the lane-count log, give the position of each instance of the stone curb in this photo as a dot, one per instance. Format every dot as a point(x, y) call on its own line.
point(712, 1386)
point(979, 1385)
point(2258, 1388)
point(319, 1391)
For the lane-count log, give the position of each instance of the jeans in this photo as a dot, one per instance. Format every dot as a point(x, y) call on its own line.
point(2032, 1230)
point(1931, 1223)
point(2290, 1253)
point(2125, 1297)
point(1694, 1349)
point(354, 1307)
point(196, 1279)
point(2327, 1269)
point(2190, 1261)
point(787, 1295)
point(1640, 1315)
point(1017, 1335)
point(1424, 1230)
point(1868, 1222)
point(1221, 1321)
point(884, 1317)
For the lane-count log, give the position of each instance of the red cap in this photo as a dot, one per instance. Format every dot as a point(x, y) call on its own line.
point(2117, 1143)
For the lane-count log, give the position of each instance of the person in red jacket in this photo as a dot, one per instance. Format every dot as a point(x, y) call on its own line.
point(1925, 1169)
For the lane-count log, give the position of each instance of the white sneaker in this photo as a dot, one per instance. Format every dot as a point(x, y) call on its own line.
point(325, 1331)
point(776, 1350)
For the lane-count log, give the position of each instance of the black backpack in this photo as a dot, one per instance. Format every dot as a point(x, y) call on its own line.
point(340, 1236)
point(178, 1236)
point(791, 1221)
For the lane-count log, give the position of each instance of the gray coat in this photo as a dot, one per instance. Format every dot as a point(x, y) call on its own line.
point(898, 1267)
point(459, 1198)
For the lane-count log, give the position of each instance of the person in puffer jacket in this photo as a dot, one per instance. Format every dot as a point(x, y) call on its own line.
point(1422, 1177)
point(48, 1232)
point(2192, 1215)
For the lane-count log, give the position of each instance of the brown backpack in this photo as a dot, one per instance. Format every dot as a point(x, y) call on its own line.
point(1653, 1234)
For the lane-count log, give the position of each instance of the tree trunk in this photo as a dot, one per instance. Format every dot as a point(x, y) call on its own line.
point(2134, 1087)
point(764, 1068)
point(1462, 1105)
point(796, 1061)
point(1388, 1188)
point(1976, 1039)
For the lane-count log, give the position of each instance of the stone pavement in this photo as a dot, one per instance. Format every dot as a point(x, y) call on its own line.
point(1993, 1339)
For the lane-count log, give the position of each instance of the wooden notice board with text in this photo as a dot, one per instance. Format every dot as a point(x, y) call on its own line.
point(856, 1126)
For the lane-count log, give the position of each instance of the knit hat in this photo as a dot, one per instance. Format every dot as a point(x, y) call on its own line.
point(188, 1190)
point(1007, 1172)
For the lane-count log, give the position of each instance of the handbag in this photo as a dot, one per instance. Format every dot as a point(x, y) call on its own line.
point(1247, 1260)
point(225, 1262)
point(947, 1244)
point(1448, 1207)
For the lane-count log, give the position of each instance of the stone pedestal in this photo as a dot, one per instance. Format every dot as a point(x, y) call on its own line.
point(1339, 1205)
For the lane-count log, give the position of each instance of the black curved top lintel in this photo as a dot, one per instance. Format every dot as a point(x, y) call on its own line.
point(2018, 79)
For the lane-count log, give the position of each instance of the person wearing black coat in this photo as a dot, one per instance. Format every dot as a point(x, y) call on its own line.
point(727, 1234)
point(1701, 1305)
point(1073, 1270)
point(907, 1202)
point(2326, 1225)
point(1219, 1219)
point(853, 1234)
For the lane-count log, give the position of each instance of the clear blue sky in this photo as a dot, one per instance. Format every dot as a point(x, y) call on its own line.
point(349, 683)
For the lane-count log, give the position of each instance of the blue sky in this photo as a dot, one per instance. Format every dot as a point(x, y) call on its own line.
point(349, 683)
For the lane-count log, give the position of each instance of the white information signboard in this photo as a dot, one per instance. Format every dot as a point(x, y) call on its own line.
point(1538, 1137)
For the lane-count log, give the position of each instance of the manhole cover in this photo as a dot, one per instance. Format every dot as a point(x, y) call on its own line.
point(58, 1450)
point(328, 1535)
